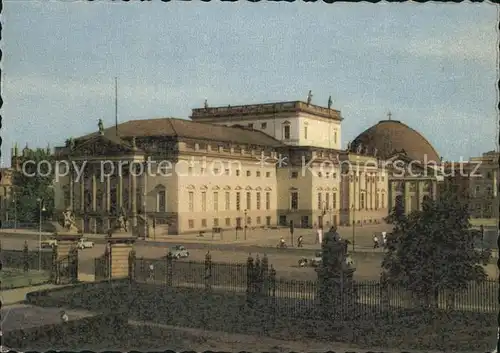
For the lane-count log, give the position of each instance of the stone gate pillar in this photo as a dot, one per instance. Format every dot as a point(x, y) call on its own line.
point(66, 258)
point(120, 246)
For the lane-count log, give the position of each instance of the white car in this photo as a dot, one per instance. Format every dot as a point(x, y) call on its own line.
point(48, 243)
point(179, 251)
point(85, 244)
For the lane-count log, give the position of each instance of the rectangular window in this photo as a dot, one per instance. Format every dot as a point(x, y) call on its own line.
point(305, 132)
point(383, 200)
point(268, 200)
point(250, 126)
point(248, 173)
point(263, 126)
point(258, 174)
point(191, 201)
point(203, 201)
point(362, 201)
point(286, 132)
point(249, 221)
point(335, 136)
point(203, 223)
point(320, 201)
point(327, 200)
point(249, 200)
point(334, 200)
point(228, 222)
point(227, 172)
point(216, 222)
point(294, 175)
point(268, 220)
point(161, 203)
point(228, 201)
point(376, 200)
point(191, 224)
point(258, 220)
point(238, 201)
point(268, 174)
point(216, 201)
point(258, 200)
point(237, 172)
point(294, 200)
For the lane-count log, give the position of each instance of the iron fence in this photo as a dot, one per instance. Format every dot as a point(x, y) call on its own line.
point(299, 298)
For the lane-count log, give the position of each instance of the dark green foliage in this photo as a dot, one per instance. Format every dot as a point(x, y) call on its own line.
point(433, 249)
point(28, 189)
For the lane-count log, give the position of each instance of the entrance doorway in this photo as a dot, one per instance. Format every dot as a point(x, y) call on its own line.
point(283, 221)
point(304, 222)
point(238, 222)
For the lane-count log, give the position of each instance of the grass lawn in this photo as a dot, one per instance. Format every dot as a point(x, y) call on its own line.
point(16, 278)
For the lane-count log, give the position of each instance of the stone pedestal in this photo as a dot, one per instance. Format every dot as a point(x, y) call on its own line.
point(66, 242)
point(65, 258)
point(120, 245)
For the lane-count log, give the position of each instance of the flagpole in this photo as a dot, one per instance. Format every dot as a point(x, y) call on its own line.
point(116, 105)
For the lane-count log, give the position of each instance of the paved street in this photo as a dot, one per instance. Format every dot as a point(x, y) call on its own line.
point(230, 250)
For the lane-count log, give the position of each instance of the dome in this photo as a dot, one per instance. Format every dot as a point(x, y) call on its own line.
point(391, 136)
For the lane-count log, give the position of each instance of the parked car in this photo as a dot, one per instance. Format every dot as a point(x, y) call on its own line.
point(83, 243)
point(316, 260)
point(179, 251)
point(50, 243)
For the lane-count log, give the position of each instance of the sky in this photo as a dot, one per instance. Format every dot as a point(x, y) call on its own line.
point(433, 66)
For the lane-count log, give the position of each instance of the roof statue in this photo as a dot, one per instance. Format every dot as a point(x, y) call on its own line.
point(349, 145)
point(330, 102)
point(389, 115)
point(309, 97)
point(134, 144)
point(206, 104)
point(101, 126)
point(359, 148)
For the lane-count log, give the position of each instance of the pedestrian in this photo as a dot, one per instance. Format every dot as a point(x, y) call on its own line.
point(375, 241)
point(320, 236)
point(384, 239)
point(64, 316)
point(151, 271)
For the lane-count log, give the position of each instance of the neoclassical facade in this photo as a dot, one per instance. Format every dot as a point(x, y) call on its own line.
point(255, 165)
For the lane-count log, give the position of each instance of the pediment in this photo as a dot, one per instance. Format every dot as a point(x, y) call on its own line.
point(293, 189)
point(319, 188)
point(227, 187)
point(268, 188)
point(102, 145)
point(203, 187)
point(258, 188)
point(334, 189)
point(237, 188)
point(327, 189)
point(215, 187)
point(248, 188)
point(160, 187)
point(190, 187)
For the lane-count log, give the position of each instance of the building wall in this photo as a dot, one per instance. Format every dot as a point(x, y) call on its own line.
point(225, 174)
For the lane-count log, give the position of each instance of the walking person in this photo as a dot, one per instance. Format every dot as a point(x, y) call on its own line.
point(384, 239)
point(376, 244)
point(320, 236)
point(151, 272)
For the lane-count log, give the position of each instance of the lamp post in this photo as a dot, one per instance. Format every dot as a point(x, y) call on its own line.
point(14, 201)
point(353, 226)
point(245, 225)
point(41, 208)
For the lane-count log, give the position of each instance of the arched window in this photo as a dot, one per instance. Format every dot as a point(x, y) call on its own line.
point(286, 130)
point(161, 199)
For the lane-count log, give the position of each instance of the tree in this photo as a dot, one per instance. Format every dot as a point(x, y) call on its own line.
point(433, 249)
point(33, 182)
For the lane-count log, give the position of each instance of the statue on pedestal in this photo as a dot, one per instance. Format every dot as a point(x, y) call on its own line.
point(69, 221)
point(330, 102)
point(121, 221)
point(101, 126)
point(309, 97)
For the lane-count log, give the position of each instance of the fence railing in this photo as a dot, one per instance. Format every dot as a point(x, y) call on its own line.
point(299, 298)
